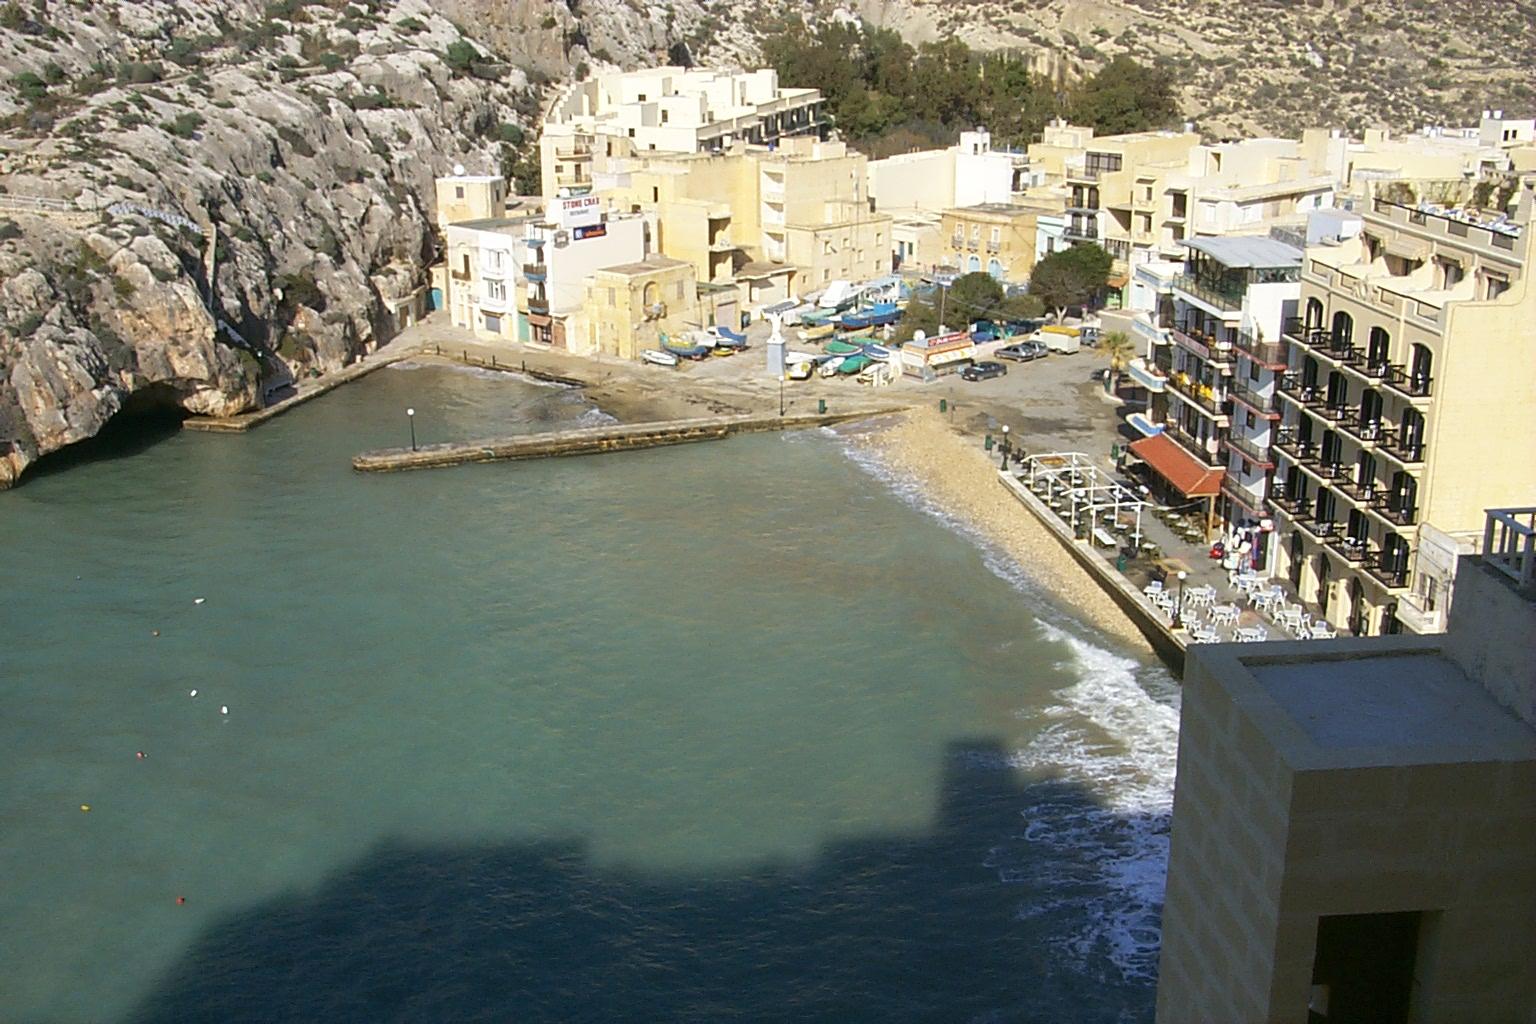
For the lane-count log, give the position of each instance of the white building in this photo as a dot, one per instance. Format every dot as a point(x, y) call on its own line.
point(667, 110)
point(970, 173)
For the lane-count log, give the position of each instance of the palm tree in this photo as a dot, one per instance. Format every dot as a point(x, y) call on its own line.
point(1118, 347)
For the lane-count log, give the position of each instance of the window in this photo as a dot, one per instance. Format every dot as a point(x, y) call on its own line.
point(975, 232)
point(1253, 370)
point(631, 133)
point(466, 264)
point(997, 235)
point(679, 289)
point(655, 194)
point(1247, 467)
point(1250, 419)
point(663, 117)
point(1495, 285)
point(612, 298)
point(495, 290)
point(492, 323)
point(826, 275)
point(458, 192)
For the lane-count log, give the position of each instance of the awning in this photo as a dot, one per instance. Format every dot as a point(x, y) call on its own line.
point(1187, 474)
point(1118, 280)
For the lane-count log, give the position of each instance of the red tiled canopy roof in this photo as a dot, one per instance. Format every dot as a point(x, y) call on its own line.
point(1192, 478)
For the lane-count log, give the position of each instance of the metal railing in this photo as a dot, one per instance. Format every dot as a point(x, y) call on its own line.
point(1256, 453)
point(1219, 297)
point(1267, 353)
point(1244, 392)
point(1509, 543)
point(1202, 395)
point(1414, 385)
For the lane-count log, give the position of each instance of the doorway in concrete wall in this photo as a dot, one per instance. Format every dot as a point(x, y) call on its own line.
point(1363, 968)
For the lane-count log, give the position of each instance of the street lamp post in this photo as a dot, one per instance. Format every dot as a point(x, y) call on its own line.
point(1178, 602)
point(410, 414)
point(1005, 446)
point(781, 394)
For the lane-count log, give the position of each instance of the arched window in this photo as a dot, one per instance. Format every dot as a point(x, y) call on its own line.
point(995, 269)
point(652, 293)
point(973, 264)
point(1343, 329)
point(1420, 362)
point(1323, 571)
point(1298, 558)
point(1380, 348)
point(1314, 319)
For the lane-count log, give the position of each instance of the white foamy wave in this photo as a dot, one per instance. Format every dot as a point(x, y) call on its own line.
point(1113, 738)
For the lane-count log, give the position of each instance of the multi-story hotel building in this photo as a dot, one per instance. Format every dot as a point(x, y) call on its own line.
point(1408, 407)
point(667, 110)
point(1214, 371)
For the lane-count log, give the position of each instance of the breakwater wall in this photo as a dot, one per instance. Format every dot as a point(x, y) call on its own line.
point(594, 440)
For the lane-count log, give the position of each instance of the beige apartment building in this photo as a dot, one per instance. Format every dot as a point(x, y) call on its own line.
point(635, 306)
point(993, 238)
point(769, 224)
point(1408, 407)
point(667, 110)
point(1354, 824)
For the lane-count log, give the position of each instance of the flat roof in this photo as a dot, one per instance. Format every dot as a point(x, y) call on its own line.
point(494, 223)
point(651, 263)
point(1408, 707)
point(1001, 209)
point(1241, 251)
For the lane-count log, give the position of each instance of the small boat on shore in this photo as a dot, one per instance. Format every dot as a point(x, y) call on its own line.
point(829, 368)
point(657, 357)
point(853, 365)
point(685, 350)
point(801, 370)
point(843, 348)
point(818, 331)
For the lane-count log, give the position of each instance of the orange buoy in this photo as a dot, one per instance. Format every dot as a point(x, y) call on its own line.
point(180, 900)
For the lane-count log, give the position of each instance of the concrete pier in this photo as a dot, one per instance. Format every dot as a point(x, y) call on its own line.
point(593, 440)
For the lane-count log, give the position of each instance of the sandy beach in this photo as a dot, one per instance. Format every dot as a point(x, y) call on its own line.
point(953, 470)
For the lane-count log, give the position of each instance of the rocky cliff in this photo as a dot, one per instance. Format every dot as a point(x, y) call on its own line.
point(202, 199)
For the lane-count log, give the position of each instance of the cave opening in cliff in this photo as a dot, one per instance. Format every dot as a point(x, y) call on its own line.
point(147, 417)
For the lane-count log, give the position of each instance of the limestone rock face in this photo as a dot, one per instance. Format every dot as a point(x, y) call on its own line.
point(229, 197)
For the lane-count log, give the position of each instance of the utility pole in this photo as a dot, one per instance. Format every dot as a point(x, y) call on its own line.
point(943, 291)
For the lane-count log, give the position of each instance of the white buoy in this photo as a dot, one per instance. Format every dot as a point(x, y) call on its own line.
point(192, 694)
point(223, 709)
point(199, 600)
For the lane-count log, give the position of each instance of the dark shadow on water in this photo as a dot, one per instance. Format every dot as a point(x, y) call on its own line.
point(881, 928)
point(146, 419)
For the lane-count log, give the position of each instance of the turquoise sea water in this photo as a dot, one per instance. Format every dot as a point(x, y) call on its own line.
point(735, 731)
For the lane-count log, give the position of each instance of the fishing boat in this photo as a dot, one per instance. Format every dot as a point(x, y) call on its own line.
point(843, 348)
point(878, 353)
point(857, 320)
point(853, 365)
point(726, 336)
point(818, 331)
point(801, 370)
point(685, 349)
point(884, 313)
point(658, 357)
point(829, 368)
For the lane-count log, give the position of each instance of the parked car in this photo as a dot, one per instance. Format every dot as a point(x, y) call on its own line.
point(983, 371)
point(1022, 352)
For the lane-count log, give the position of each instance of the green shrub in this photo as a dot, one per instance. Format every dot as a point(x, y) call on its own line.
point(30, 86)
point(53, 74)
point(265, 177)
point(508, 132)
point(411, 25)
point(332, 61)
point(185, 125)
point(461, 56)
point(548, 22)
point(137, 73)
point(123, 288)
point(9, 230)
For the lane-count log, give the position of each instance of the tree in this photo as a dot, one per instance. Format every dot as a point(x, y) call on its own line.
point(1119, 349)
point(1126, 97)
point(974, 296)
point(920, 315)
point(1070, 276)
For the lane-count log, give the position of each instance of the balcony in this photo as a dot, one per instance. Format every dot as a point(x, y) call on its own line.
point(1237, 493)
point(1228, 300)
point(1509, 543)
point(1357, 493)
point(1413, 386)
point(1202, 395)
point(1269, 354)
point(1394, 508)
point(1393, 576)
point(538, 307)
point(1243, 392)
point(1296, 508)
point(1408, 454)
point(1307, 396)
point(1322, 530)
point(1246, 447)
point(1145, 376)
point(1364, 433)
point(1352, 550)
point(1203, 344)
point(1323, 343)
point(535, 271)
point(1194, 446)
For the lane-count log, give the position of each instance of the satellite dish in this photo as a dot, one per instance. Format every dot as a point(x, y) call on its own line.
point(458, 169)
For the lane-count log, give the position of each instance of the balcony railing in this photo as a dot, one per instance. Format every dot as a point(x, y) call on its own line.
point(535, 271)
point(1321, 529)
point(1203, 395)
point(1246, 447)
point(1298, 508)
point(1391, 574)
point(1194, 446)
point(1352, 549)
point(1361, 494)
point(1220, 298)
point(1266, 353)
point(1409, 454)
point(1509, 543)
point(538, 307)
point(1244, 392)
point(1241, 495)
point(1364, 433)
point(1413, 385)
point(1394, 508)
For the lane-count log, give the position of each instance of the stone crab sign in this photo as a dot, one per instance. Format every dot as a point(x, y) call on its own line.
point(578, 211)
